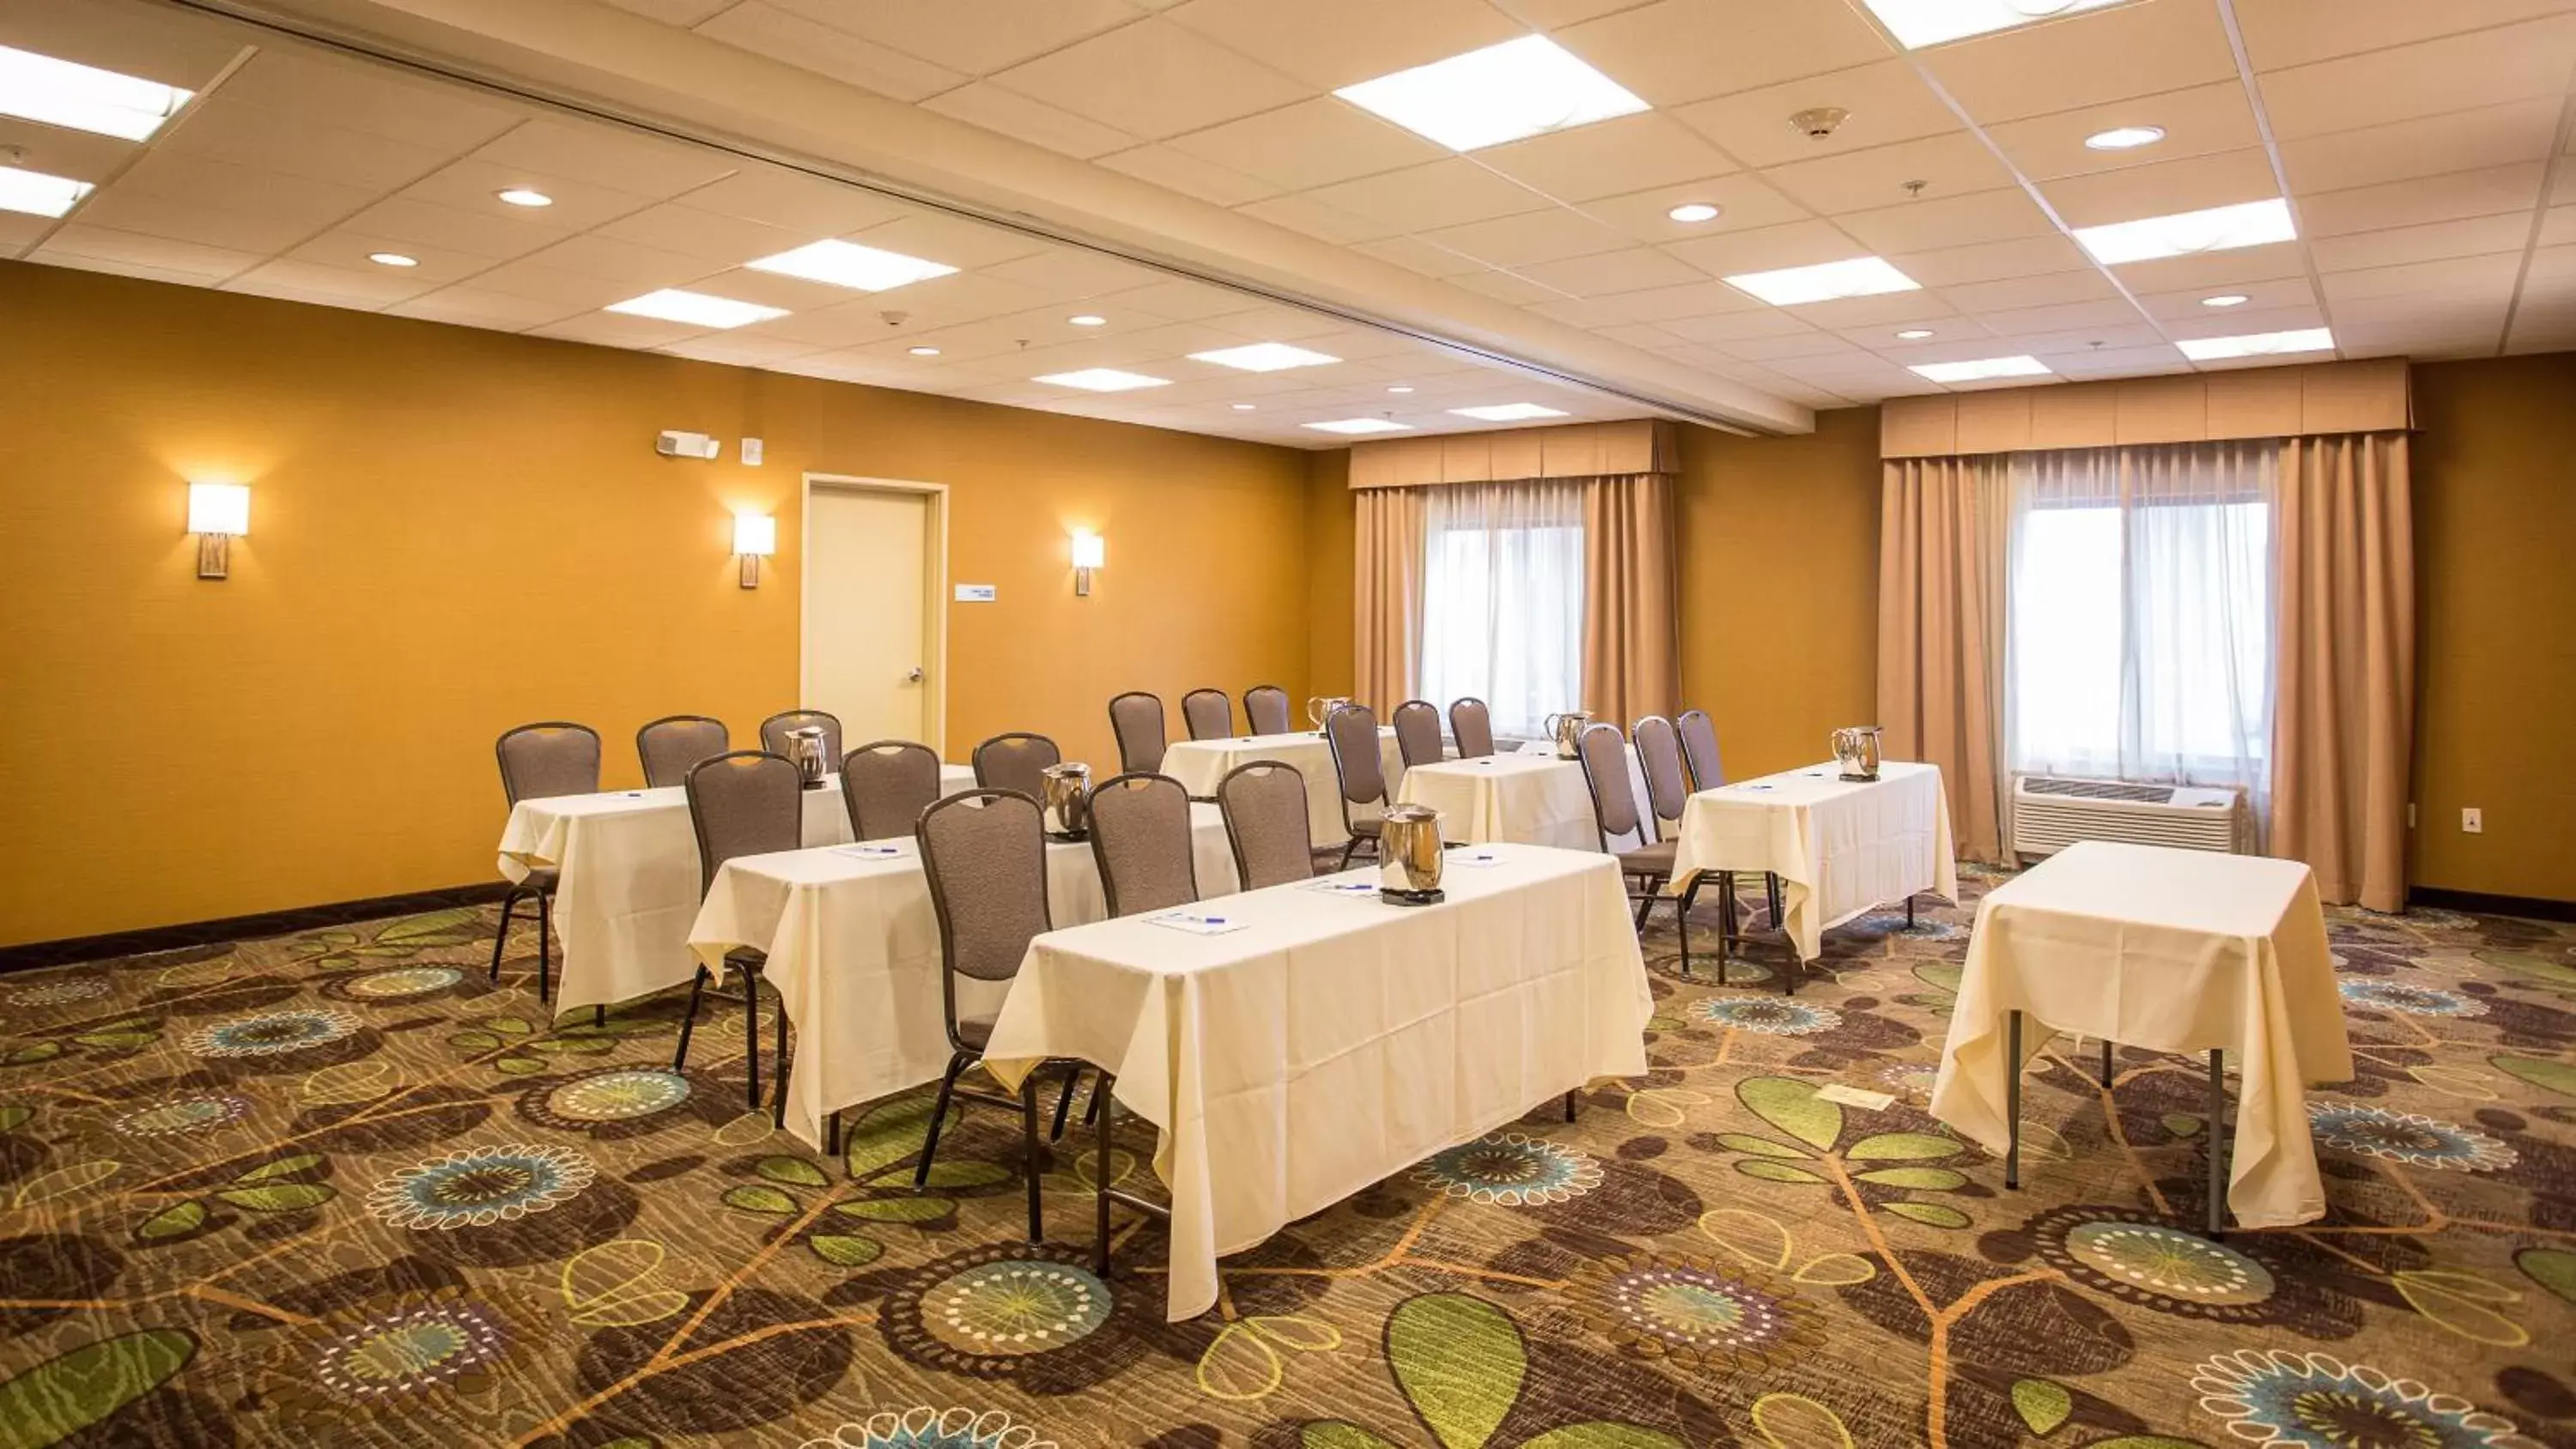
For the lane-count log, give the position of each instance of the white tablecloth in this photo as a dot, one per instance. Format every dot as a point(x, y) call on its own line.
point(853, 948)
point(1533, 799)
point(1839, 848)
point(1201, 764)
point(2172, 950)
point(628, 862)
point(1335, 1039)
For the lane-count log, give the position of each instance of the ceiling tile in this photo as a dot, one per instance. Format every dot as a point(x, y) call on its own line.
point(2477, 236)
point(1886, 100)
point(160, 45)
point(567, 290)
point(1744, 203)
point(765, 29)
point(1185, 300)
point(1607, 158)
point(2281, 33)
point(125, 209)
point(2197, 121)
point(2456, 73)
point(1947, 221)
point(1329, 44)
point(204, 181)
point(57, 151)
point(473, 185)
point(1992, 261)
point(1949, 165)
point(349, 247)
point(677, 227)
point(616, 329)
point(255, 136)
point(2087, 59)
point(1724, 328)
point(2047, 289)
point(2426, 199)
point(1509, 287)
point(2192, 183)
point(2215, 271)
point(297, 281)
point(2260, 296)
point(1152, 79)
point(2427, 146)
point(1632, 270)
point(1012, 114)
point(973, 37)
point(1421, 198)
point(1675, 51)
point(455, 229)
point(682, 13)
point(1535, 236)
point(376, 99)
point(1764, 249)
point(1177, 170)
point(1888, 309)
point(606, 156)
point(949, 240)
point(1312, 143)
point(784, 198)
point(2064, 317)
point(2118, 362)
point(1416, 255)
point(2290, 316)
point(737, 349)
point(1653, 304)
point(476, 307)
point(1071, 273)
point(2558, 226)
point(646, 268)
point(202, 264)
point(2489, 277)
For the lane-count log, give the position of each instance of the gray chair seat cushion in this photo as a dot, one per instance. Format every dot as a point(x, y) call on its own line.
point(1655, 859)
point(975, 1031)
point(541, 878)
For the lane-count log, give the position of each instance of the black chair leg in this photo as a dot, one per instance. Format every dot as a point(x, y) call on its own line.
point(1100, 1184)
point(1099, 1090)
point(502, 939)
point(545, 942)
point(599, 1015)
point(938, 1114)
point(1064, 1101)
point(1726, 922)
point(751, 1031)
point(1570, 1095)
point(689, 1023)
point(1032, 1165)
point(1681, 920)
point(778, 1106)
point(1645, 900)
point(1349, 850)
point(832, 1132)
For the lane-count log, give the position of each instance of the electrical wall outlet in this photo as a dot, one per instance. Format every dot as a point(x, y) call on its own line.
point(2473, 821)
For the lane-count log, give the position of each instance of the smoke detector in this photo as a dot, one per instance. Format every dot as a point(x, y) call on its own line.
point(1820, 122)
point(894, 318)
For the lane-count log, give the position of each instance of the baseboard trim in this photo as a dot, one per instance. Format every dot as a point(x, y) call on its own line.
point(65, 952)
point(2534, 908)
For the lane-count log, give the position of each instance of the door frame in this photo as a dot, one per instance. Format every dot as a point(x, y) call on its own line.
point(934, 584)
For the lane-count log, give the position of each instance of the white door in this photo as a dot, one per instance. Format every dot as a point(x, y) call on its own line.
point(867, 648)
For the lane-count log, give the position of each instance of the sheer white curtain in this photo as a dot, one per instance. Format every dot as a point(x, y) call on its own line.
point(1502, 599)
point(2140, 612)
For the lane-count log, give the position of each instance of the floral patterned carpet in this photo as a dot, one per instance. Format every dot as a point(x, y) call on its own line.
point(338, 1188)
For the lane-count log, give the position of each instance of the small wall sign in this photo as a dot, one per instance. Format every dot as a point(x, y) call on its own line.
point(974, 593)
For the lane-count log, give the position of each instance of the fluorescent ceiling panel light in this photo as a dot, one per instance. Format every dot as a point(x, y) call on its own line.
point(59, 93)
point(1103, 379)
point(392, 259)
point(923, 351)
point(2124, 138)
point(1088, 319)
point(38, 194)
point(847, 264)
point(1509, 412)
point(2220, 228)
point(522, 196)
point(1523, 87)
point(2231, 299)
point(2257, 344)
point(695, 308)
point(1825, 282)
point(1693, 211)
point(1982, 368)
point(1913, 334)
point(1918, 23)
point(1358, 425)
point(1264, 357)
point(1242, 407)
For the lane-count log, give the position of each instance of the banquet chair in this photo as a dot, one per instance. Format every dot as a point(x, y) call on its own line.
point(773, 731)
point(1351, 731)
point(1417, 732)
point(539, 761)
point(1604, 756)
point(1472, 725)
point(1659, 757)
point(743, 802)
point(1264, 804)
point(983, 853)
point(1015, 761)
point(1265, 710)
point(670, 745)
point(1207, 714)
point(1140, 839)
point(1136, 718)
point(1699, 751)
point(887, 784)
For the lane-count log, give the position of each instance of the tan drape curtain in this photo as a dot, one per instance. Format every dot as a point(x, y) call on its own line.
point(2343, 713)
point(1942, 542)
point(1632, 653)
point(1386, 604)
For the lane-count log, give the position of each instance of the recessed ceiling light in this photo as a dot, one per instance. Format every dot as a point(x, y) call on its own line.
point(60, 93)
point(1509, 412)
point(1913, 334)
point(1088, 319)
point(1399, 389)
point(1103, 379)
point(2231, 299)
point(1826, 282)
point(522, 196)
point(2220, 228)
point(38, 194)
point(1694, 211)
point(2258, 344)
point(392, 259)
point(696, 308)
point(1242, 407)
point(1264, 357)
point(1358, 425)
point(1981, 369)
point(1501, 93)
point(1918, 23)
point(2125, 138)
point(923, 351)
point(847, 264)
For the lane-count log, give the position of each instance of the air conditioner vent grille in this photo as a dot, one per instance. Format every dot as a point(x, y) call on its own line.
point(2051, 814)
point(2101, 790)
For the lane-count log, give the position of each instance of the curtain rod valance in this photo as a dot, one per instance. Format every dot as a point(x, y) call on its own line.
point(2265, 402)
point(1576, 450)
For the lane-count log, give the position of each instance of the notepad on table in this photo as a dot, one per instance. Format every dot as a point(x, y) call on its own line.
point(869, 852)
point(1476, 857)
point(1197, 923)
point(1343, 887)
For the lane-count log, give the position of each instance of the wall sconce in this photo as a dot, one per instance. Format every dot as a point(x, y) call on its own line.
point(755, 537)
point(217, 513)
point(1089, 552)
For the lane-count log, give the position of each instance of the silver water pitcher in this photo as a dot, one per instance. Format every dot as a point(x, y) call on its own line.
point(1856, 750)
point(1409, 859)
point(1320, 709)
point(1567, 729)
point(1067, 801)
point(805, 749)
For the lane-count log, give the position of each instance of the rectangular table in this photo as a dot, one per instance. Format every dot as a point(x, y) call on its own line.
point(2173, 950)
point(1536, 799)
point(1201, 764)
point(1839, 847)
point(628, 880)
point(1335, 1040)
point(853, 947)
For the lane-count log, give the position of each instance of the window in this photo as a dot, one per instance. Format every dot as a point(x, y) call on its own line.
point(2140, 614)
point(1502, 600)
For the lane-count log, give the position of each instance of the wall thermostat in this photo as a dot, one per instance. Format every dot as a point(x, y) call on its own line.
point(686, 445)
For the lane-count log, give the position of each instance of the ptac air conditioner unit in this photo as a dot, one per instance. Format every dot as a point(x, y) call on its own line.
point(2051, 814)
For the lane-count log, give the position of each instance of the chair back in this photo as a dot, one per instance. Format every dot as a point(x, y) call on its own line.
point(1605, 770)
point(984, 855)
point(1699, 749)
point(1016, 761)
point(1264, 804)
point(1136, 718)
point(539, 761)
point(670, 745)
point(1352, 732)
point(773, 731)
point(1417, 732)
point(1265, 710)
point(1659, 752)
point(887, 784)
point(744, 802)
point(1140, 839)
point(1472, 726)
point(1207, 714)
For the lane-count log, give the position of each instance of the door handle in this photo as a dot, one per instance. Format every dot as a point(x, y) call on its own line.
point(914, 677)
